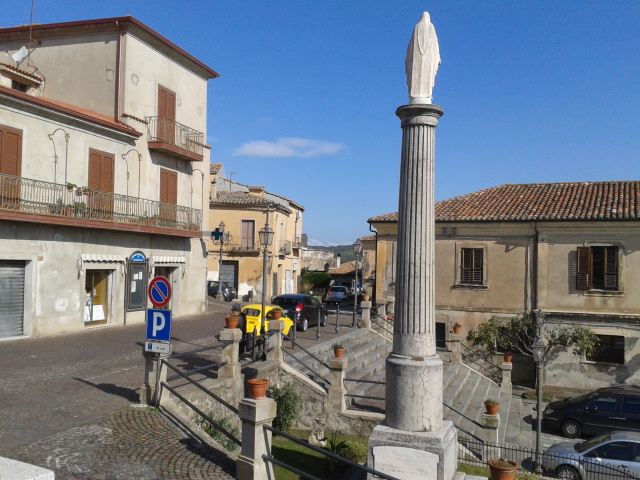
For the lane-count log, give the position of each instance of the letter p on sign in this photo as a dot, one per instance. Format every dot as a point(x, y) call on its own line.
point(159, 325)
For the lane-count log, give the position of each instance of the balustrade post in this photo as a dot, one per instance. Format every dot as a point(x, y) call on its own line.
point(491, 424)
point(455, 357)
point(365, 320)
point(275, 341)
point(256, 441)
point(337, 391)
point(507, 367)
point(152, 379)
point(230, 353)
point(390, 310)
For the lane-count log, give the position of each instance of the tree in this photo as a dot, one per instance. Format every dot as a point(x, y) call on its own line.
point(517, 334)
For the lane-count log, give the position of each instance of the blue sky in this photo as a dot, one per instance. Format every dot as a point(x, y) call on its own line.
point(544, 91)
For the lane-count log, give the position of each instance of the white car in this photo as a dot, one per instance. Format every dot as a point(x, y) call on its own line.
point(613, 455)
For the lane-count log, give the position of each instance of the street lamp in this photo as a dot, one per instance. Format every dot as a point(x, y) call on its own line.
point(220, 231)
point(266, 238)
point(357, 249)
point(539, 349)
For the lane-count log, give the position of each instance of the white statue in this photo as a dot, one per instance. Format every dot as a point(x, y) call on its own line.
point(423, 58)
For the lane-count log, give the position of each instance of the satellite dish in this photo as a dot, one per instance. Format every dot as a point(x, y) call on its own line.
point(20, 55)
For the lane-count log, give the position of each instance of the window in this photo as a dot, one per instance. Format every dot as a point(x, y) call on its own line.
point(598, 268)
point(21, 87)
point(610, 349)
point(10, 164)
point(248, 239)
point(471, 266)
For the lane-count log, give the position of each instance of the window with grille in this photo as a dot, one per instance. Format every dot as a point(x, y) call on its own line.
point(610, 349)
point(598, 268)
point(471, 266)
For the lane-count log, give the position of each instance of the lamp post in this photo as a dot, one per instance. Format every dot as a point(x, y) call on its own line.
point(266, 237)
point(219, 295)
point(539, 349)
point(357, 249)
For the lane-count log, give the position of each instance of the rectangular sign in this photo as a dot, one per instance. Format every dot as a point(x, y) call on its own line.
point(158, 347)
point(159, 325)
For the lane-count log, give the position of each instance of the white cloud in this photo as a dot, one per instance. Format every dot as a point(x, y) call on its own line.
point(288, 148)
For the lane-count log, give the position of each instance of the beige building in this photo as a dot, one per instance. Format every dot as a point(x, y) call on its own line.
point(101, 175)
point(569, 250)
point(245, 210)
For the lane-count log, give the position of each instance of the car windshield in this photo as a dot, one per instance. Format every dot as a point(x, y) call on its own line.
point(338, 289)
point(286, 302)
point(592, 442)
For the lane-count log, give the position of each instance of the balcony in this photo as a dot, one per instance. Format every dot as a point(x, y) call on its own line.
point(174, 138)
point(285, 248)
point(244, 248)
point(24, 199)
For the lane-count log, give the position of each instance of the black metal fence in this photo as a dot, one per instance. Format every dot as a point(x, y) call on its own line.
point(574, 467)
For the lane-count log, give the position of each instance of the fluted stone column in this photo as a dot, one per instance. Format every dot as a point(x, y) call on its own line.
point(415, 441)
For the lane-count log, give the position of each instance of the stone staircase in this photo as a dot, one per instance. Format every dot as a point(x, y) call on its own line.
point(464, 389)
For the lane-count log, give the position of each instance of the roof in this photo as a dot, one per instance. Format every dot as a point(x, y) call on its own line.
point(344, 269)
point(214, 168)
point(102, 24)
point(615, 200)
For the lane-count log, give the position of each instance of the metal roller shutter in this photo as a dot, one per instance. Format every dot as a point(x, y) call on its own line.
point(11, 298)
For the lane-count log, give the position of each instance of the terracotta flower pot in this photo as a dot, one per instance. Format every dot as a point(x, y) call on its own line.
point(491, 408)
point(338, 352)
point(258, 387)
point(365, 297)
point(502, 469)
point(276, 314)
point(456, 329)
point(507, 357)
point(232, 322)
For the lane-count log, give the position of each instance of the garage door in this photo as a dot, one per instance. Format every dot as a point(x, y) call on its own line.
point(11, 298)
point(230, 273)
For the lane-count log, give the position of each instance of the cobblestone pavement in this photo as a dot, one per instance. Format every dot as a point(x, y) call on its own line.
point(133, 444)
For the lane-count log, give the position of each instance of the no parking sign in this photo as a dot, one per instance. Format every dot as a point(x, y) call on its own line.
point(159, 291)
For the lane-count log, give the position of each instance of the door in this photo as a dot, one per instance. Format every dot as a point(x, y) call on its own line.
point(599, 414)
point(166, 116)
point(229, 273)
point(11, 298)
point(603, 461)
point(10, 164)
point(96, 305)
point(101, 178)
point(314, 307)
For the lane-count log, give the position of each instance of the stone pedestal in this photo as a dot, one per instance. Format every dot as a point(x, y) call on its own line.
point(455, 356)
point(506, 385)
point(365, 320)
point(275, 341)
point(414, 455)
point(491, 423)
point(254, 414)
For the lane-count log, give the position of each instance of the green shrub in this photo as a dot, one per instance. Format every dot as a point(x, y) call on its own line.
point(355, 451)
point(287, 401)
point(216, 434)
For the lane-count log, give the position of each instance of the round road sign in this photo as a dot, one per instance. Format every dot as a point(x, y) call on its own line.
point(159, 291)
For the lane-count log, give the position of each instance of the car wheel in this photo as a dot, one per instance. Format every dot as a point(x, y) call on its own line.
point(571, 429)
point(567, 472)
point(323, 321)
point(304, 324)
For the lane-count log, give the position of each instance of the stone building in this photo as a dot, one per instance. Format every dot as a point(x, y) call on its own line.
point(569, 250)
point(102, 130)
point(245, 210)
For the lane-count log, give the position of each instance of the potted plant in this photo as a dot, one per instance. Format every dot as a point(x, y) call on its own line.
point(365, 295)
point(456, 328)
point(232, 320)
point(276, 314)
point(491, 406)
point(258, 387)
point(507, 356)
point(338, 350)
point(502, 469)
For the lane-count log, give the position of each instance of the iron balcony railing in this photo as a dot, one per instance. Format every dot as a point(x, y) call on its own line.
point(30, 196)
point(165, 130)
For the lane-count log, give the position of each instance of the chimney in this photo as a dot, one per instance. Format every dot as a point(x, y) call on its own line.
point(257, 190)
point(338, 260)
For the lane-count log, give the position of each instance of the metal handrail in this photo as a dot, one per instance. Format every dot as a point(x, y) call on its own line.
point(491, 371)
point(326, 453)
point(38, 197)
point(166, 130)
point(313, 372)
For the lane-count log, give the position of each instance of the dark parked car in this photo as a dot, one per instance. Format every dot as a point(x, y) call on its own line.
point(614, 455)
point(605, 409)
point(228, 292)
point(304, 310)
point(337, 294)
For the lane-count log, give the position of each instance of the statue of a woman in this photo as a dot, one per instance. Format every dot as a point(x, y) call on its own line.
point(423, 58)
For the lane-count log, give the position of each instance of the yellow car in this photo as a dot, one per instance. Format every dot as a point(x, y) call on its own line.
point(252, 314)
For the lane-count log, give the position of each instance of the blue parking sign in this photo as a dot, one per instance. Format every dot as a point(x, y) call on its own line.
point(159, 325)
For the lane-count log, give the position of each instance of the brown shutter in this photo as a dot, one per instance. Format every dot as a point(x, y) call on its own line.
point(584, 269)
point(101, 178)
point(166, 115)
point(611, 268)
point(10, 164)
point(465, 265)
point(168, 193)
point(477, 266)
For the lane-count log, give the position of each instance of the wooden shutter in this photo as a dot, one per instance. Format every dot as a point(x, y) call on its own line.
point(248, 234)
point(101, 178)
point(166, 115)
point(168, 194)
point(611, 268)
point(10, 164)
point(584, 280)
point(471, 266)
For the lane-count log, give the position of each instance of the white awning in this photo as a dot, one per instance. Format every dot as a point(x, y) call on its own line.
point(97, 258)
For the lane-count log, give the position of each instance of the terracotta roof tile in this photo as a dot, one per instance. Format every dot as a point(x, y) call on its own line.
point(344, 269)
point(214, 168)
point(616, 200)
point(240, 198)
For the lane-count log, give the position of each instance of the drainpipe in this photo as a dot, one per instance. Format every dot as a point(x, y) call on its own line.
point(534, 268)
point(118, 72)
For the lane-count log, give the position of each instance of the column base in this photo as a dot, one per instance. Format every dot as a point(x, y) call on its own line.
point(414, 455)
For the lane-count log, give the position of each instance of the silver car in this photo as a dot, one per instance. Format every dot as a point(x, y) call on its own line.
point(614, 455)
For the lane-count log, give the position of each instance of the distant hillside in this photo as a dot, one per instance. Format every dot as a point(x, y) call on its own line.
point(345, 251)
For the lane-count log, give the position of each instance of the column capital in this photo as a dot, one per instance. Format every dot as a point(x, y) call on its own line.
point(419, 114)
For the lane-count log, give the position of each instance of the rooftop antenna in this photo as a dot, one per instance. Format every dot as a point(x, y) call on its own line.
point(231, 174)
